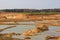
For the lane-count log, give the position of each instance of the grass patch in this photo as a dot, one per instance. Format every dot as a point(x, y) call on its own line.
point(42, 13)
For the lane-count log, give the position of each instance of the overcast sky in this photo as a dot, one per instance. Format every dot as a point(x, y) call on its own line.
point(32, 4)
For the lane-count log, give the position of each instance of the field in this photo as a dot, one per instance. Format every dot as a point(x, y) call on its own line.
point(41, 21)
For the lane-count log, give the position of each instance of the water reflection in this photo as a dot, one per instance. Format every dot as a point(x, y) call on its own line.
point(39, 36)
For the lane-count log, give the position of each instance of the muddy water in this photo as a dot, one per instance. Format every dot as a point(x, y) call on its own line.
point(40, 36)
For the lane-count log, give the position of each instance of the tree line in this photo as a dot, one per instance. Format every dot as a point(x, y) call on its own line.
point(30, 10)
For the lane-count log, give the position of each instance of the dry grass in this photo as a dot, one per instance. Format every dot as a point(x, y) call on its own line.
point(5, 38)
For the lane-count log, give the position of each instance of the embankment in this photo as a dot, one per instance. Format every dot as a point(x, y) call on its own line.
point(4, 17)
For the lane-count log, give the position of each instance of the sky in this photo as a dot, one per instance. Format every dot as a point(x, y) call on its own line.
point(29, 4)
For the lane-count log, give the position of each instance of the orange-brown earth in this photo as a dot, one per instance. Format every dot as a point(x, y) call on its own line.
point(27, 17)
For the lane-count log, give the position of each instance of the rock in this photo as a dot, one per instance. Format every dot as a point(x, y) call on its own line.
point(44, 28)
point(36, 30)
point(27, 38)
point(51, 38)
point(28, 33)
point(58, 38)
